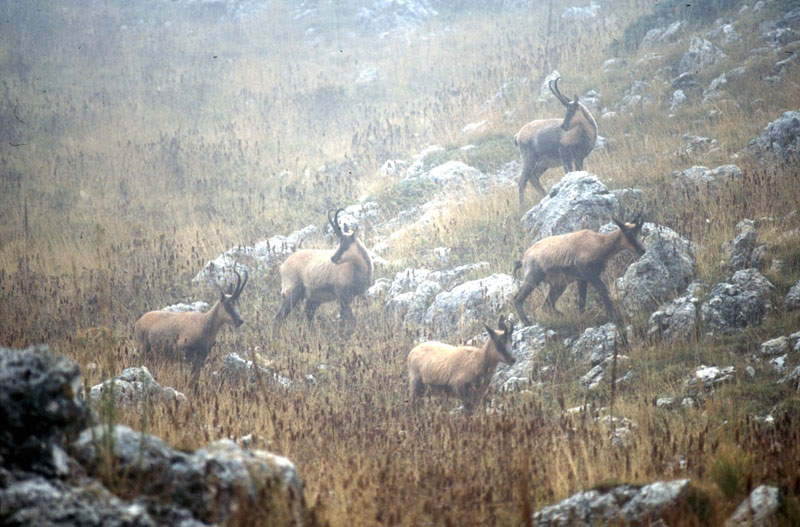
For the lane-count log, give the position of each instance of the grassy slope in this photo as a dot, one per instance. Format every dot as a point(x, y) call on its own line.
point(150, 150)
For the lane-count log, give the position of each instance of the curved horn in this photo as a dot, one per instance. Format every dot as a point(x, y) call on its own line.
point(240, 285)
point(335, 222)
point(554, 88)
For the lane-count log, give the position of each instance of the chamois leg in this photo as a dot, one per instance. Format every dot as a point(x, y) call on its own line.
point(582, 285)
point(416, 388)
point(566, 160)
point(290, 299)
point(311, 308)
point(467, 396)
point(347, 312)
point(538, 170)
point(579, 163)
point(601, 289)
point(556, 290)
point(527, 167)
point(531, 282)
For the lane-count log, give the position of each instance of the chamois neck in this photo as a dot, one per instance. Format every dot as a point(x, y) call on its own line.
point(213, 319)
point(610, 244)
point(361, 258)
point(591, 123)
point(490, 355)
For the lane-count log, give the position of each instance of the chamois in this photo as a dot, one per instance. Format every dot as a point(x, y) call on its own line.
point(463, 370)
point(546, 143)
point(321, 275)
point(582, 256)
point(189, 335)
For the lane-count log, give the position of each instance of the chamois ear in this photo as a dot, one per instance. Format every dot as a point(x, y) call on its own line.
point(491, 332)
point(575, 98)
point(619, 224)
point(501, 323)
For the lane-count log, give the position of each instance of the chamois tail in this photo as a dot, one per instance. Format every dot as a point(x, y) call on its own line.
point(517, 265)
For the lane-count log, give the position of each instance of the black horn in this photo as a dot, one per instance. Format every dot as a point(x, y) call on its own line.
point(240, 283)
point(337, 230)
point(554, 88)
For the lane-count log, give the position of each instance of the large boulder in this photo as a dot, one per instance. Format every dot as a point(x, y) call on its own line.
point(595, 344)
point(235, 368)
point(700, 55)
point(703, 177)
point(156, 486)
point(527, 342)
point(579, 201)
point(760, 509)
point(744, 249)
point(216, 484)
point(780, 140)
point(677, 320)
point(793, 297)
point(40, 409)
point(621, 505)
point(54, 503)
point(733, 306)
point(263, 256)
point(452, 312)
point(666, 268)
point(412, 290)
point(134, 387)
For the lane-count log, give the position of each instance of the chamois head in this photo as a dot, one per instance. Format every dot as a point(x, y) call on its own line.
point(345, 239)
point(230, 301)
point(631, 232)
point(571, 106)
point(502, 340)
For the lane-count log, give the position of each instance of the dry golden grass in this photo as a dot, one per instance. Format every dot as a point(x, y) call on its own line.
point(127, 185)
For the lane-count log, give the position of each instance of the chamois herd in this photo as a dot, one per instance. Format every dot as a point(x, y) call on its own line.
point(321, 275)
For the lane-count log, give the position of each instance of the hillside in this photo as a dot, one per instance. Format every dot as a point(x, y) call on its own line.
point(147, 148)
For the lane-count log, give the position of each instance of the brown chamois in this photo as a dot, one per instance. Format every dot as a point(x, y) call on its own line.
point(546, 143)
point(462, 370)
point(191, 335)
point(582, 256)
point(321, 275)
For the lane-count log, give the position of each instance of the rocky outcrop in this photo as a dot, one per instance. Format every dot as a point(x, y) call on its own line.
point(760, 509)
point(262, 256)
point(780, 140)
point(134, 387)
point(40, 484)
point(700, 55)
point(235, 368)
point(733, 306)
point(527, 342)
point(744, 249)
point(621, 505)
point(595, 344)
point(579, 201)
point(40, 409)
point(792, 300)
point(677, 320)
point(453, 312)
point(665, 269)
point(703, 177)
point(708, 377)
point(661, 35)
point(216, 484)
